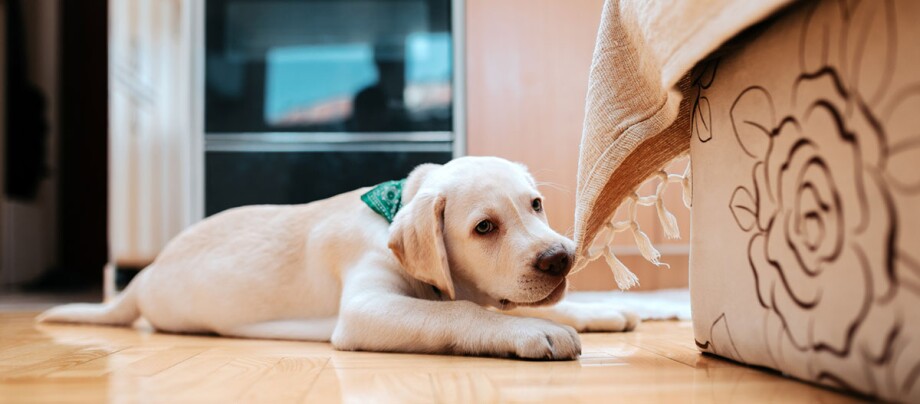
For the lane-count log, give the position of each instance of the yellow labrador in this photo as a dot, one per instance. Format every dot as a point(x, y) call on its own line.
point(468, 266)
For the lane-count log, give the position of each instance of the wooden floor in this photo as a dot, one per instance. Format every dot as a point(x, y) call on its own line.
point(657, 363)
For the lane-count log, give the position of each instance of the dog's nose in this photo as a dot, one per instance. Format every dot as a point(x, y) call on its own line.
point(554, 261)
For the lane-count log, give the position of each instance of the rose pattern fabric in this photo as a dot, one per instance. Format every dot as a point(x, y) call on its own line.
point(832, 167)
point(812, 216)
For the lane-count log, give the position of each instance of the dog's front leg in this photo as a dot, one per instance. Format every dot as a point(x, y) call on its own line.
point(377, 315)
point(583, 316)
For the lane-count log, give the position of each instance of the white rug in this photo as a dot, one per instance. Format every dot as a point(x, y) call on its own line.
point(665, 304)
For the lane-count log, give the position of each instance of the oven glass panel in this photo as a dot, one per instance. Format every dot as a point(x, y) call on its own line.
point(328, 66)
point(247, 178)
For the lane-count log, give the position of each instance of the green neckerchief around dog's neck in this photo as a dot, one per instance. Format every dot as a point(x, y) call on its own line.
point(385, 199)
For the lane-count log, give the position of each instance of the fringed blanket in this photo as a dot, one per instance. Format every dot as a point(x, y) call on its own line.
point(637, 116)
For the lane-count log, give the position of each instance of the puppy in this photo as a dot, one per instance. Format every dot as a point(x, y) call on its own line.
point(468, 266)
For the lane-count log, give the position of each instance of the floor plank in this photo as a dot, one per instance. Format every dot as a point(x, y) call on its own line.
point(657, 362)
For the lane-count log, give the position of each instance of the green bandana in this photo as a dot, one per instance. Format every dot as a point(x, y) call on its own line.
point(385, 198)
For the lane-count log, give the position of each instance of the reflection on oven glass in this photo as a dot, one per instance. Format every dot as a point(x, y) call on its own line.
point(365, 88)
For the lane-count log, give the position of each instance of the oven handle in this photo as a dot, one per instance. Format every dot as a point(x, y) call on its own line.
point(329, 141)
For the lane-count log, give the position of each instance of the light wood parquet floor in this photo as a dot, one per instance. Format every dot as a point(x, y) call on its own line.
point(656, 363)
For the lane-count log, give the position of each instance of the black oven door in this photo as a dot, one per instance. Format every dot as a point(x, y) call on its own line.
point(305, 99)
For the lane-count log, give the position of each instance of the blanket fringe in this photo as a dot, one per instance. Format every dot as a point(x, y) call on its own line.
point(603, 245)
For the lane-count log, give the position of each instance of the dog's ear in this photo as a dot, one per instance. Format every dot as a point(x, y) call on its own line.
point(415, 180)
point(417, 240)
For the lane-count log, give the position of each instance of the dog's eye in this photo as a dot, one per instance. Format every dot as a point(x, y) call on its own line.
point(537, 204)
point(485, 227)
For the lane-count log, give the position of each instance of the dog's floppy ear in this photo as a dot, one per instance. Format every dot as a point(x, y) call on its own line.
point(415, 180)
point(417, 240)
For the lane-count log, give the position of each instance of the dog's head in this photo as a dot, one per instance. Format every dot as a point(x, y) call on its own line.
point(475, 229)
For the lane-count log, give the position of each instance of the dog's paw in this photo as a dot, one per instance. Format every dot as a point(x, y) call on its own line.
point(604, 318)
point(543, 339)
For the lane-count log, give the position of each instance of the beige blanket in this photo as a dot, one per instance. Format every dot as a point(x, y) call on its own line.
point(635, 121)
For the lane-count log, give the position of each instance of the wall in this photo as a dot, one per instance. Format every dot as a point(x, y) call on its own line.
point(527, 77)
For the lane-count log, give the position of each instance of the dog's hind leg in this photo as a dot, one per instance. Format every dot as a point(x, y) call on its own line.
point(319, 330)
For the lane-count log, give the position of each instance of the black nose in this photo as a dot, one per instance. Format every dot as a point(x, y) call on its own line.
point(555, 261)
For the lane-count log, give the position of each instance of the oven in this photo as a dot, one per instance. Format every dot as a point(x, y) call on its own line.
point(221, 103)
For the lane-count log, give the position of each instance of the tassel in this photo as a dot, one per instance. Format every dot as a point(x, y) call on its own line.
point(594, 252)
point(646, 248)
point(620, 226)
point(604, 245)
point(668, 221)
point(621, 274)
point(597, 248)
point(646, 200)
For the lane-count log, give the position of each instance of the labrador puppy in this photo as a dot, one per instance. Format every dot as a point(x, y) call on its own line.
point(468, 266)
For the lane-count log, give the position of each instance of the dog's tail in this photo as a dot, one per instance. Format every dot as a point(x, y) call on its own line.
point(122, 310)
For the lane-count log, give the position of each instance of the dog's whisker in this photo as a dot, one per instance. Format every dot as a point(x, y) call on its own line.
point(554, 186)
